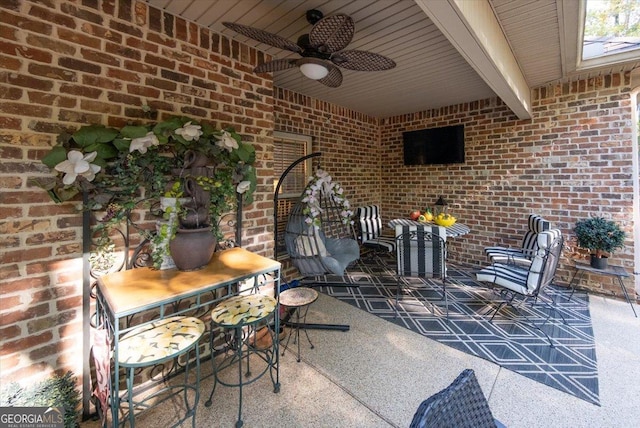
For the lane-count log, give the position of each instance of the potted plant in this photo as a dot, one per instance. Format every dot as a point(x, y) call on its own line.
point(123, 170)
point(601, 237)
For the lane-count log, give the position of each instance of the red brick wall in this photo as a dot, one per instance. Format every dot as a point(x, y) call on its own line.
point(68, 63)
point(572, 160)
point(348, 141)
point(65, 64)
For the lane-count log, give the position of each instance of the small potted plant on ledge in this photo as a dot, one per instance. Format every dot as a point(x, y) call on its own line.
point(601, 237)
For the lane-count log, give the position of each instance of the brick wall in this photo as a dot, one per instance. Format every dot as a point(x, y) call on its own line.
point(65, 64)
point(348, 141)
point(68, 63)
point(572, 160)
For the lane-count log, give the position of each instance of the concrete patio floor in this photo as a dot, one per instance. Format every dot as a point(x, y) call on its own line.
point(377, 373)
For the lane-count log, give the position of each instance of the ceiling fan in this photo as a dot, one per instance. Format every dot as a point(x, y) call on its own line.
point(321, 50)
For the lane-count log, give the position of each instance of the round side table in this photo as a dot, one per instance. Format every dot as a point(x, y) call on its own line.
point(298, 299)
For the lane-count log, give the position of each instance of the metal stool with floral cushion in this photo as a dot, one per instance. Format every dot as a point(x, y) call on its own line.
point(241, 317)
point(155, 343)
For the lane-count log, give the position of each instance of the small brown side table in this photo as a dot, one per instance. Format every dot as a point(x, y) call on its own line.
point(298, 299)
point(617, 271)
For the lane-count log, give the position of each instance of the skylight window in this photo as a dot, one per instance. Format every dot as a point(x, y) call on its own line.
point(611, 27)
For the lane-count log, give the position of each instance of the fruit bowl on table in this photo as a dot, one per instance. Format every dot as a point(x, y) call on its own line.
point(445, 220)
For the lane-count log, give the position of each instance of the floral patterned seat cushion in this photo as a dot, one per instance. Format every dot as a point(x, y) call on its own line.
point(159, 341)
point(242, 310)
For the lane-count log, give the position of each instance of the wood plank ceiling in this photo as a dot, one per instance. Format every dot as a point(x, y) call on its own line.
point(542, 36)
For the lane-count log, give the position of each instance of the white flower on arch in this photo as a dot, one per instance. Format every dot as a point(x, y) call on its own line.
point(321, 184)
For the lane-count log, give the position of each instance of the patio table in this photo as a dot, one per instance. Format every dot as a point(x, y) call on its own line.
point(615, 271)
point(453, 231)
point(123, 295)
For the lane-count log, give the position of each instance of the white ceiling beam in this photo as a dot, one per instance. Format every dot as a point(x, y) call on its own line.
point(472, 28)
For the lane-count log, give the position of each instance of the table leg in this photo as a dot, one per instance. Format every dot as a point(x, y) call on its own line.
point(115, 392)
point(626, 295)
point(574, 282)
point(304, 321)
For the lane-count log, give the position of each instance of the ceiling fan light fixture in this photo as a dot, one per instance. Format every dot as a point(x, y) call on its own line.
point(314, 70)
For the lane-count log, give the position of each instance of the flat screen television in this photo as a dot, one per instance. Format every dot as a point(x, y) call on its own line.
point(434, 146)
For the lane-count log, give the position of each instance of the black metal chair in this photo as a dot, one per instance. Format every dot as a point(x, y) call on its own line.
point(421, 251)
point(460, 405)
point(526, 282)
point(524, 254)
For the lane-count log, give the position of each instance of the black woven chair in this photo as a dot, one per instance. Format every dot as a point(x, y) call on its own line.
point(460, 405)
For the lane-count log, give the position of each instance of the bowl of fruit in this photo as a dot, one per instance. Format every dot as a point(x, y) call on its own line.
point(445, 220)
point(418, 215)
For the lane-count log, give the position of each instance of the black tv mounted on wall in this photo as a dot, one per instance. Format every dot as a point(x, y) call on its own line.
point(434, 146)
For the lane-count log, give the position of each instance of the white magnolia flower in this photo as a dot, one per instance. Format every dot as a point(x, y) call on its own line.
point(141, 144)
point(243, 186)
point(190, 132)
point(226, 141)
point(76, 165)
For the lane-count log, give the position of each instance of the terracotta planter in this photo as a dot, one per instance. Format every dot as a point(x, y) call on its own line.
point(192, 249)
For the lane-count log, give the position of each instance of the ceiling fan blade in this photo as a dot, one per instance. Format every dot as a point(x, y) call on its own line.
point(275, 65)
point(264, 37)
point(334, 78)
point(362, 61)
point(332, 33)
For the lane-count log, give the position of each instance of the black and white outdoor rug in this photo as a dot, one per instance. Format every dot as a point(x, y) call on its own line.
point(569, 366)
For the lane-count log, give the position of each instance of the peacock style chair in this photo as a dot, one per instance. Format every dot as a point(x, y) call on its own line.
point(319, 237)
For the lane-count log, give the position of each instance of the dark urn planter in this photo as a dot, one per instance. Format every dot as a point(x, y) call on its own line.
point(191, 249)
point(599, 262)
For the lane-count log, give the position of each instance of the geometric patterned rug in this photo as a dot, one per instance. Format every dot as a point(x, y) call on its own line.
point(570, 366)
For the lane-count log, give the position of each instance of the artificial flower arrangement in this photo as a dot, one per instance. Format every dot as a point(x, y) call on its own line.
point(322, 185)
point(120, 169)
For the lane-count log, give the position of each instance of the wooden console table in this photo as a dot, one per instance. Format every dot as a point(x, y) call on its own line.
point(616, 271)
point(121, 295)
